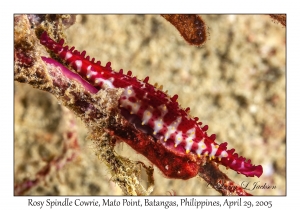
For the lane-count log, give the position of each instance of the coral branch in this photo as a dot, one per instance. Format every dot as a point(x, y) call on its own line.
point(191, 27)
point(219, 181)
point(281, 18)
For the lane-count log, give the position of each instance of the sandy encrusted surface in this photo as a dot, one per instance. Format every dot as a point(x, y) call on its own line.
point(235, 83)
